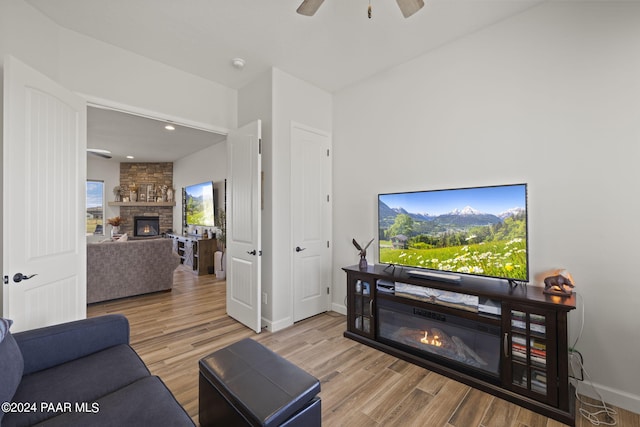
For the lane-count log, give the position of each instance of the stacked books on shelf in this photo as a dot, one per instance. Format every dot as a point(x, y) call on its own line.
point(539, 381)
point(536, 322)
point(537, 350)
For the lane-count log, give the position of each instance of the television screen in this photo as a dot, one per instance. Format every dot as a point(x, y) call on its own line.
point(199, 205)
point(480, 231)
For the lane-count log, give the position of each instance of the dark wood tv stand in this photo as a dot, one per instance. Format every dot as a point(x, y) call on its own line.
point(533, 336)
point(195, 252)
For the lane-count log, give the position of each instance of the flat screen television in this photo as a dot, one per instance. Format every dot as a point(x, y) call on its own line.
point(479, 231)
point(199, 204)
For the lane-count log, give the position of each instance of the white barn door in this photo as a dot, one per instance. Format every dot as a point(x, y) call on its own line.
point(310, 220)
point(244, 248)
point(44, 178)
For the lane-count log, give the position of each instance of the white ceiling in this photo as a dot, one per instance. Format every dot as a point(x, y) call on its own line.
point(145, 139)
point(332, 50)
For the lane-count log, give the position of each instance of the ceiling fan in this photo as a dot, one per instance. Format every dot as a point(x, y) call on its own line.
point(407, 7)
point(99, 152)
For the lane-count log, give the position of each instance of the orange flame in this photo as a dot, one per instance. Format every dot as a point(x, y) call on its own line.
point(431, 341)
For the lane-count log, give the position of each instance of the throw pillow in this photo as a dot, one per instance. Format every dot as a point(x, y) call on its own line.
point(123, 238)
point(5, 324)
point(11, 364)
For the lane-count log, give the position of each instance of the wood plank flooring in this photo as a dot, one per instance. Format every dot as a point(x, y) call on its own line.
point(361, 386)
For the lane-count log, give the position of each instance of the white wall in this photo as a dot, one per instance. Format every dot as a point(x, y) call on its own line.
point(278, 98)
point(91, 67)
point(255, 102)
point(105, 72)
point(30, 36)
point(209, 164)
point(294, 100)
point(550, 97)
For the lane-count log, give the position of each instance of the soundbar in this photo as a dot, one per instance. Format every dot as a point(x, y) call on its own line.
point(444, 277)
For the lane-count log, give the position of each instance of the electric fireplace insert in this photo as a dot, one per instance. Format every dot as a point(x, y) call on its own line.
point(467, 345)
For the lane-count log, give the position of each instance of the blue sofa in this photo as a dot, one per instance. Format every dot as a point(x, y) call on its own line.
point(81, 373)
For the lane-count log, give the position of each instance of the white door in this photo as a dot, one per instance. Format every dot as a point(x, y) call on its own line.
point(244, 225)
point(44, 178)
point(311, 220)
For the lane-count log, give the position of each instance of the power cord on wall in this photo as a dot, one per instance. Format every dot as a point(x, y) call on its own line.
point(595, 411)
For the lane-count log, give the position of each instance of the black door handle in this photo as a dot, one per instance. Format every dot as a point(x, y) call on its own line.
point(253, 252)
point(299, 249)
point(19, 277)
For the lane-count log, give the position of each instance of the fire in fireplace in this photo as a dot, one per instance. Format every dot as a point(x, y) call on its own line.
point(468, 344)
point(145, 226)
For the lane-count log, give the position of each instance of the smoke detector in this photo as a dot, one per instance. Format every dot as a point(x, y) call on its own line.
point(238, 63)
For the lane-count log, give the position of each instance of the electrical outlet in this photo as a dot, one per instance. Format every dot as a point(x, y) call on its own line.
point(264, 298)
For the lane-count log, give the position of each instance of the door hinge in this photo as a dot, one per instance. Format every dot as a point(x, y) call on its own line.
point(327, 152)
point(327, 243)
point(327, 290)
point(327, 197)
point(260, 146)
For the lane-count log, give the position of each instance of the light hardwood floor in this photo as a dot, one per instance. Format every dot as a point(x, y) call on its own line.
point(360, 386)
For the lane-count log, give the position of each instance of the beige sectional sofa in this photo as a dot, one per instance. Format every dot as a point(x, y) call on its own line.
point(133, 267)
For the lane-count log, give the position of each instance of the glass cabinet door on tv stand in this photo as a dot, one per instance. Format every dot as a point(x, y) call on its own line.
point(530, 352)
point(361, 306)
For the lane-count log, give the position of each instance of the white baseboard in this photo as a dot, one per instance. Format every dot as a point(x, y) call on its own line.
point(277, 325)
point(339, 308)
point(621, 399)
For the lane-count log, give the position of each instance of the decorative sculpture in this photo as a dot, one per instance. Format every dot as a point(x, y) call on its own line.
point(363, 254)
point(559, 283)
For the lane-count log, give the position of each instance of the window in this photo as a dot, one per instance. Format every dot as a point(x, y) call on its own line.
point(95, 207)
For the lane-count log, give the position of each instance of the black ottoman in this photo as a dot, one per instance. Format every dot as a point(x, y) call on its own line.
point(248, 384)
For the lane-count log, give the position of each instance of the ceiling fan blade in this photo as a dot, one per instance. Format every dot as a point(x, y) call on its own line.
point(309, 7)
point(409, 7)
point(98, 152)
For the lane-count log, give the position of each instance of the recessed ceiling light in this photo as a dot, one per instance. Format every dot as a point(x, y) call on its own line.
point(170, 127)
point(130, 157)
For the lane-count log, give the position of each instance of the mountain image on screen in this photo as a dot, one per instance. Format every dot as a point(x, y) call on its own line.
point(199, 205)
point(480, 231)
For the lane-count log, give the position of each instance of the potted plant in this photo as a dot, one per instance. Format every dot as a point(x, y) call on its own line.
point(115, 223)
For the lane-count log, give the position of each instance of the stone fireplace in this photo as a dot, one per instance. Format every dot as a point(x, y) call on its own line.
point(146, 174)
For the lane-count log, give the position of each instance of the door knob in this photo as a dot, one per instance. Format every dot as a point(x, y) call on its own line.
point(253, 252)
point(19, 277)
point(299, 249)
